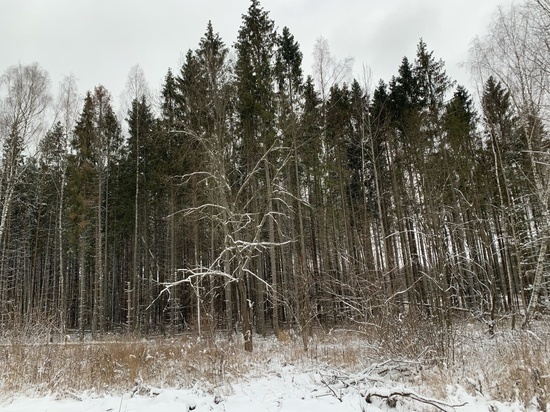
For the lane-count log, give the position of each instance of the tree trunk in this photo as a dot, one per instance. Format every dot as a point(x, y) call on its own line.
point(246, 312)
point(82, 276)
point(272, 256)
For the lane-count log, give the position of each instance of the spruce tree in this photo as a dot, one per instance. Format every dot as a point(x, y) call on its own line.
point(256, 113)
point(96, 149)
point(508, 162)
point(255, 79)
point(461, 139)
point(433, 86)
point(288, 73)
point(141, 165)
point(168, 105)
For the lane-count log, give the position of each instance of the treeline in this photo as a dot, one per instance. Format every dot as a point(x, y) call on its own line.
point(255, 198)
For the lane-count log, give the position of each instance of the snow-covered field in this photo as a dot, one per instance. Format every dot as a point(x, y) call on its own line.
point(340, 372)
point(287, 390)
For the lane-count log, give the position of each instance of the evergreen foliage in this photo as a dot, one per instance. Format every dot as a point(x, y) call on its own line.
point(253, 201)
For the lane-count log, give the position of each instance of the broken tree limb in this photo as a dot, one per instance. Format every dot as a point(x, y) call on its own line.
point(391, 395)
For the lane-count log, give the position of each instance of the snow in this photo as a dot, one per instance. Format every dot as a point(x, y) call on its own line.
point(288, 390)
point(264, 395)
point(278, 378)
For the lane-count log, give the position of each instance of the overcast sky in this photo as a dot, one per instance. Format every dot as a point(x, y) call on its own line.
point(100, 40)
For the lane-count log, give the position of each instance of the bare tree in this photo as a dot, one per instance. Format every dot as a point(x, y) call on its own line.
point(24, 100)
point(67, 107)
point(136, 87)
point(327, 70)
point(242, 237)
point(516, 51)
point(137, 90)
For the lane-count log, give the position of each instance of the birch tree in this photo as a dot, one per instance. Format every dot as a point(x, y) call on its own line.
point(24, 100)
point(135, 98)
point(516, 51)
point(67, 113)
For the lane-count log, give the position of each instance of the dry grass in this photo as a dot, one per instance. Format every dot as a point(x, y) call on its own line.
point(509, 366)
point(129, 364)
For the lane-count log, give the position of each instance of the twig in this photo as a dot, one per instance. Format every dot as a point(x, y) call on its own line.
point(120, 406)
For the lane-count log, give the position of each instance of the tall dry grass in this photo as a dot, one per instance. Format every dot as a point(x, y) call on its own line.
point(510, 365)
point(125, 363)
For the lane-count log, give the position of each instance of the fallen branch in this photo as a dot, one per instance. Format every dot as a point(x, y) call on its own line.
point(392, 401)
point(332, 390)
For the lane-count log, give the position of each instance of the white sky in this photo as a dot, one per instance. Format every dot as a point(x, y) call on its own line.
point(100, 40)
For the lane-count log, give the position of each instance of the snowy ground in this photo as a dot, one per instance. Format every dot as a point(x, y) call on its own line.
point(288, 390)
point(336, 375)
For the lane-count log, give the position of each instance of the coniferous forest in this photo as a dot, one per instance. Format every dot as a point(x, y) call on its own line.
point(249, 197)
